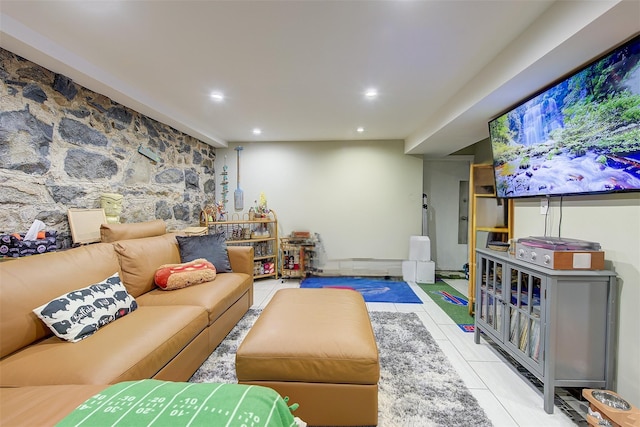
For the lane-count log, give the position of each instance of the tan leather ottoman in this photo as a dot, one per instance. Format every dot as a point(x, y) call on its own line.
point(317, 347)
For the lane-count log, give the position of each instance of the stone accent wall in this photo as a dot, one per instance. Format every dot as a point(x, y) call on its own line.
point(62, 145)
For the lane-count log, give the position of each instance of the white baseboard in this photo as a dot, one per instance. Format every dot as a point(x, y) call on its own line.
point(361, 267)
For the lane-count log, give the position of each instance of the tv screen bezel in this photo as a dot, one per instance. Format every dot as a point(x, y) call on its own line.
point(633, 39)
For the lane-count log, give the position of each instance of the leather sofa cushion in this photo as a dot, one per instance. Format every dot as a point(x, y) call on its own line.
point(29, 282)
point(133, 347)
point(114, 232)
point(42, 406)
point(140, 258)
point(311, 335)
point(215, 297)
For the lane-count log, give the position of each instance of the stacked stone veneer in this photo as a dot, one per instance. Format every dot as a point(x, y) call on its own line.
point(62, 145)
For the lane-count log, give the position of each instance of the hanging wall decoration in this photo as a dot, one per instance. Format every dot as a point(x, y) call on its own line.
point(225, 184)
point(238, 195)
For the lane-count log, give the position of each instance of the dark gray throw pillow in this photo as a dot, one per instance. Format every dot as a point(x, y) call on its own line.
point(212, 247)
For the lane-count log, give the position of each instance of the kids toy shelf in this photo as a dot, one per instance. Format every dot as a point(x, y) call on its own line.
point(558, 324)
point(489, 216)
point(261, 233)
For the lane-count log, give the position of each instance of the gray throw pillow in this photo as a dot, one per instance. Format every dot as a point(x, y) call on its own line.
point(212, 247)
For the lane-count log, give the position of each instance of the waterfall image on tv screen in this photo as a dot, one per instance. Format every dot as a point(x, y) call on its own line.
point(580, 136)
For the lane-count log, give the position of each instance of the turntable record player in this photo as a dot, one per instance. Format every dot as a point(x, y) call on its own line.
point(560, 253)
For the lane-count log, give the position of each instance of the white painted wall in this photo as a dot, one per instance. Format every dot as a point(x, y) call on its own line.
point(441, 184)
point(614, 222)
point(364, 198)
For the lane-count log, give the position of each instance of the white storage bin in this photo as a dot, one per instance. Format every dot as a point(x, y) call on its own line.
point(425, 272)
point(409, 269)
point(419, 248)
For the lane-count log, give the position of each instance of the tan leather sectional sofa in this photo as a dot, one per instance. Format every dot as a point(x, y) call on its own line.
point(167, 337)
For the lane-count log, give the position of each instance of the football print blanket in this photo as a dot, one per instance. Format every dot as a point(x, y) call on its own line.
point(171, 404)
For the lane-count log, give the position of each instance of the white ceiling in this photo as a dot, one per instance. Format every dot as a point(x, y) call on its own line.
point(298, 69)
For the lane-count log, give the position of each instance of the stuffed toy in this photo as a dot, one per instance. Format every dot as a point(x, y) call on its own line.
point(176, 276)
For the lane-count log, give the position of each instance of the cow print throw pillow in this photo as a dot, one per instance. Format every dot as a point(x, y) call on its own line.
point(78, 314)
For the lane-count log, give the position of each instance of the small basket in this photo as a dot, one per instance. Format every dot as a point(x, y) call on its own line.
point(207, 216)
point(498, 246)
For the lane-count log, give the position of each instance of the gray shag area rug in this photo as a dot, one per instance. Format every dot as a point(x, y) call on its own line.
point(418, 386)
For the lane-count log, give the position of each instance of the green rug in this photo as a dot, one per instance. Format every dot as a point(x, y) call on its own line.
point(452, 302)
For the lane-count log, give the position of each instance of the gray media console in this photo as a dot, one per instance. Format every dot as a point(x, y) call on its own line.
point(559, 324)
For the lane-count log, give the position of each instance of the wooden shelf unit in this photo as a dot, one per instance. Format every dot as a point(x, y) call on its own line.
point(261, 233)
point(487, 214)
point(297, 257)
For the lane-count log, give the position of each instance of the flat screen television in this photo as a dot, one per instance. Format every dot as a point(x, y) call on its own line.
point(579, 136)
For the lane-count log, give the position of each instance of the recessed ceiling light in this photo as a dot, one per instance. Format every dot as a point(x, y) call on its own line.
point(257, 131)
point(360, 129)
point(217, 96)
point(371, 93)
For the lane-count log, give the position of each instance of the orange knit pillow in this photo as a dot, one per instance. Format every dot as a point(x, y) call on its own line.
point(176, 276)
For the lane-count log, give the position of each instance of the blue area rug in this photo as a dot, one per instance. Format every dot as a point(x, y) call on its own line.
point(373, 290)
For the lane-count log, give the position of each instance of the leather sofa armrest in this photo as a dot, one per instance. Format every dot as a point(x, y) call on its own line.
point(241, 259)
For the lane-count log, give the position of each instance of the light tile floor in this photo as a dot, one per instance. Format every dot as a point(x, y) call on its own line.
point(506, 396)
